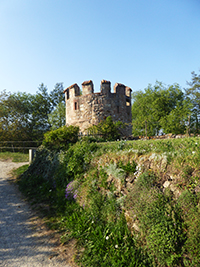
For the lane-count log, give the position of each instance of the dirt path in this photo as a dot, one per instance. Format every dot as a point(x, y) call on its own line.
point(23, 242)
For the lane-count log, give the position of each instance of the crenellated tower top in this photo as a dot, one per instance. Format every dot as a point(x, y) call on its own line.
point(90, 108)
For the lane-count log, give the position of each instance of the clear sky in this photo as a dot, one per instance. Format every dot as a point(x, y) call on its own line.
point(134, 42)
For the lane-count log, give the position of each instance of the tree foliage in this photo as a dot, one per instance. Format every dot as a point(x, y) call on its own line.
point(57, 95)
point(25, 116)
point(57, 117)
point(107, 129)
point(41, 108)
point(193, 92)
point(160, 108)
point(15, 116)
point(61, 138)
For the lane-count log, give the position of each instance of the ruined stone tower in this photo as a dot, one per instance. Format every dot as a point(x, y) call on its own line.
point(89, 108)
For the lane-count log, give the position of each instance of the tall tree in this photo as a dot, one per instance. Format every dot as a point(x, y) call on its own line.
point(57, 95)
point(26, 117)
point(153, 105)
point(41, 108)
point(57, 117)
point(193, 92)
point(15, 116)
point(176, 122)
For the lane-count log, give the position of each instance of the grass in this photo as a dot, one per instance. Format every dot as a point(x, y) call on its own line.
point(19, 171)
point(111, 198)
point(15, 157)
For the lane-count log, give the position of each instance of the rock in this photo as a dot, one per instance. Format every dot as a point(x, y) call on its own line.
point(166, 184)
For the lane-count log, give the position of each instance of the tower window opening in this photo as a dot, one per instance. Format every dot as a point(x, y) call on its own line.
point(75, 105)
point(67, 94)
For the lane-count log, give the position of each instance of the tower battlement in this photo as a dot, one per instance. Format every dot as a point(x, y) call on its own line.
point(89, 108)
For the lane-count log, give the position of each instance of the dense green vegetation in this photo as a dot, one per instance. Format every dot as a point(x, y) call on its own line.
point(27, 117)
point(133, 203)
point(106, 130)
point(61, 138)
point(160, 108)
point(167, 109)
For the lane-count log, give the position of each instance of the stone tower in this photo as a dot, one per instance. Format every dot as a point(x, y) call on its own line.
point(89, 108)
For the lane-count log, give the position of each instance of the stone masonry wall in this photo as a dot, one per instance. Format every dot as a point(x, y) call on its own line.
point(90, 108)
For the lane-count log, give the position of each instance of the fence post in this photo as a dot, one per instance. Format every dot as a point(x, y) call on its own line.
point(31, 155)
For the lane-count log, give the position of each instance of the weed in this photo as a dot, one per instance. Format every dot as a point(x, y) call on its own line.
point(121, 145)
point(115, 172)
point(106, 241)
point(129, 167)
point(159, 220)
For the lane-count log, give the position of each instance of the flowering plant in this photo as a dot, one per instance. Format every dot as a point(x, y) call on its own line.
point(71, 190)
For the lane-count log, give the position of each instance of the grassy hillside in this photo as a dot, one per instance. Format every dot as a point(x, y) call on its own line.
point(126, 203)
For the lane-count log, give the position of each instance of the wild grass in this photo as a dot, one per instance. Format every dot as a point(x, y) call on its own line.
point(19, 171)
point(15, 157)
point(133, 203)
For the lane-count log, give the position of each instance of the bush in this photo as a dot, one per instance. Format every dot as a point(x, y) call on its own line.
point(61, 138)
point(51, 171)
point(107, 129)
point(78, 157)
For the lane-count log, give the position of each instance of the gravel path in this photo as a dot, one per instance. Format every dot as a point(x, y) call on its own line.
point(21, 244)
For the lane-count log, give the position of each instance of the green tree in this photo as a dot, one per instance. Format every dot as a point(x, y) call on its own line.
point(141, 114)
point(108, 129)
point(193, 92)
point(26, 117)
point(15, 116)
point(57, 95)
point(41, 108)
point(151, 108)
point(57, 117)
point(176, 121)
point(61, 138)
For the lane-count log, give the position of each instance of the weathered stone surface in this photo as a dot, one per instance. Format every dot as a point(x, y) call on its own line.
point(91, 108)
point(166, 184)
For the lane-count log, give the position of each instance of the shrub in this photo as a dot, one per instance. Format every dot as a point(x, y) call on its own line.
point(61, 138)
point(129, 167)
point(109, 130)
point(78, 157)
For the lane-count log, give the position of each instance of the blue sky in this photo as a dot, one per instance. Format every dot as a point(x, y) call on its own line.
point(133, 42)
